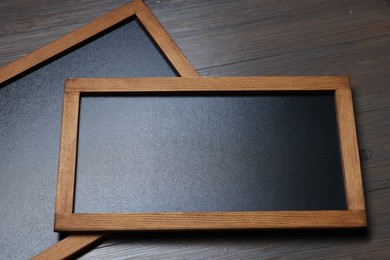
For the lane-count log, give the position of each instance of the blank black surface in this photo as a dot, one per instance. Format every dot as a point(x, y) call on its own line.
point(208, 153)
point(30, 122)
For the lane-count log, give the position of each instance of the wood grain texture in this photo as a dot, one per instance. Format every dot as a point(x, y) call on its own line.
point(166, 44)
point(213, 35)
point(207, 84)
point(68, 153)
point(268, 38)
point(70, 247)
point(349, 150)
point(210, 220)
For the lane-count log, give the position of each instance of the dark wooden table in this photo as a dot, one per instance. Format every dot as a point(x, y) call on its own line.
point(242, 38)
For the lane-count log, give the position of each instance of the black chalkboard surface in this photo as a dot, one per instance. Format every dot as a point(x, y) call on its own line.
point(208, 152)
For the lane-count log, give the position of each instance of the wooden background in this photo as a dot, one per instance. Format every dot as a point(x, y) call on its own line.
point(239, 38)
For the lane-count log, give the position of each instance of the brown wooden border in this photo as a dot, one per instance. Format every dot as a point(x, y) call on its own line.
point(66, 220)
point(70, 246)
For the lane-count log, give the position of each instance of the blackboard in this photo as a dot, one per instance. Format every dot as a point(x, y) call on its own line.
point(208, 153)
point(216, 152)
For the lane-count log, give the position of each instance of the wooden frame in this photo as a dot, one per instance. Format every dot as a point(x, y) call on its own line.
point(66, 220)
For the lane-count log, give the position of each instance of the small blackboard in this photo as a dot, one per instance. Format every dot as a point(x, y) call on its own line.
point(215, 153)
point(209, 152)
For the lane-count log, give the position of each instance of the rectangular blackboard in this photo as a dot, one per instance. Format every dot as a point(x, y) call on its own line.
point(209, 153)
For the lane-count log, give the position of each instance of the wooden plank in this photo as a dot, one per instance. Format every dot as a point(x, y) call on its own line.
point(69, 40)
point(206, 84)
point(210, 220)
point(166, 44)
point(210, 43)
point(376, 178)
point(349, 150)
point(70, 246)
point(373, 135)
point(68, 153)
point(203, 15)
